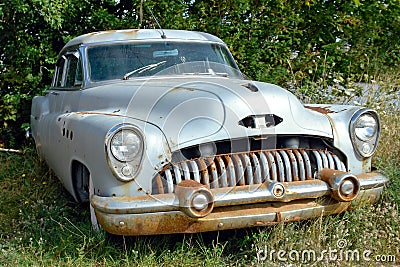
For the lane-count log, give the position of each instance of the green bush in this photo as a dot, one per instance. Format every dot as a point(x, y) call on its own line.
point(296, 44)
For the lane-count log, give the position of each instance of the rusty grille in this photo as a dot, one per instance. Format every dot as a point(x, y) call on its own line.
point(229, 170)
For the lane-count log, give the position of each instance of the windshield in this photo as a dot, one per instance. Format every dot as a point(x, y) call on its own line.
point(128, 60)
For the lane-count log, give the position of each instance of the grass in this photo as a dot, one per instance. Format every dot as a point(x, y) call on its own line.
point(41, 225)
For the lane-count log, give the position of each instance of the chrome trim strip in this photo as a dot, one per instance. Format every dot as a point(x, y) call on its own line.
point(319, 160)
point(287, 166)
point(302, 170)
point(195, 171)
point(338, 163)
point(330, 161)
point(294, 164)
point(257, 167)
point(309, 174)
point(230, 171)
point(223, 177)
point(240, 170)
point(170, 183)
point(281, 167)
point(249, 171)
point(264, 167)
point(177, 173)
point(273, 167)
point(186, 171)
point(325, 163)
point(214, 175)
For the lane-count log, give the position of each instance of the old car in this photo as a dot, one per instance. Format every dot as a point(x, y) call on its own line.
point(162, 133)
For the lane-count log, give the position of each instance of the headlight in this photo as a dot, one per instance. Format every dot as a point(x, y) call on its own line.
point(364, 131)
point(125, 145)
point(124, 148)
point(365, 127)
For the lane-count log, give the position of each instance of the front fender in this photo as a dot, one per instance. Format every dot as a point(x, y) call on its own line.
point(340, 117)
point(82, 138)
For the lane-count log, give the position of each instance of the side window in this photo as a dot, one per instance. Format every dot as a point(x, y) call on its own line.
point(74, 71)
point(68, 71)
point(58, 75)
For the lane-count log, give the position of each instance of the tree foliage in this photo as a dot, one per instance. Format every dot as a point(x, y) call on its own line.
point(284, 42)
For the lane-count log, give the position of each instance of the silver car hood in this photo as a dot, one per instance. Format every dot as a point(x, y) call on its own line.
point(193, 110)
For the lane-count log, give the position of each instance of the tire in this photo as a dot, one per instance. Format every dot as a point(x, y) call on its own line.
point(84, 189)
point(81, 182)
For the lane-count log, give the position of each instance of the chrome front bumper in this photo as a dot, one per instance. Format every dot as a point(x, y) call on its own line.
point(238, 207)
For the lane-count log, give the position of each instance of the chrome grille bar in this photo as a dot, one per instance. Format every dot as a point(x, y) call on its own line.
point(247, 168)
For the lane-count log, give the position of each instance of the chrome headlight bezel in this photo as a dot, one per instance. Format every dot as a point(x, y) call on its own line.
point(124, 159)
point(365, 131)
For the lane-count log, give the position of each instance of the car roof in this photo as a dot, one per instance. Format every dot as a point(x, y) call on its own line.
point(141, 34)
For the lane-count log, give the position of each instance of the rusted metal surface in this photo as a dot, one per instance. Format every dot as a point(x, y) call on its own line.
point(235, 196)
point(344, 186)
point(255, 167)
point(323, 110)
point(238, 207)
point(223, 218)
point(140, 34)
point(160, 186)
point(326, 174)
point(187, 192)
point(189, 183)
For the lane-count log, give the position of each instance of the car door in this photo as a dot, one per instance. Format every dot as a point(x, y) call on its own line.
point(50, 113)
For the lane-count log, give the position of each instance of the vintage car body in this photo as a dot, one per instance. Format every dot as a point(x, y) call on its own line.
point(190, 145)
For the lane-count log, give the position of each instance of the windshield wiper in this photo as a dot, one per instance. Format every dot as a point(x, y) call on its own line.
point(144, 69)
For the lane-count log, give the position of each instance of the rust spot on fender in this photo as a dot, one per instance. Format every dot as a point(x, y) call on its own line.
point(323, 110)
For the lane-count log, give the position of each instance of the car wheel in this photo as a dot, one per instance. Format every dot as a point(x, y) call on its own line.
point(81, 182)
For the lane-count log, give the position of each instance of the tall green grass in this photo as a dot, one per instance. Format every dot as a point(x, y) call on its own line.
point(41, 225)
